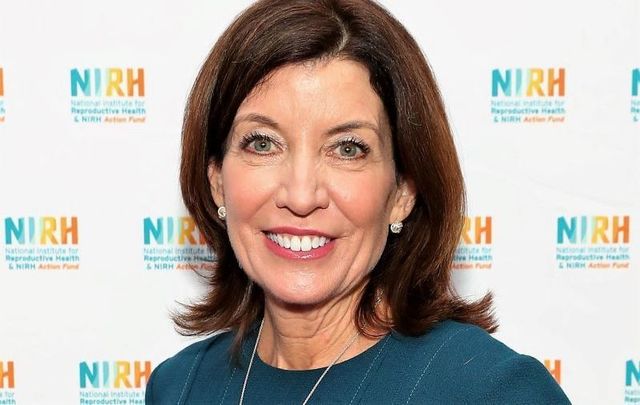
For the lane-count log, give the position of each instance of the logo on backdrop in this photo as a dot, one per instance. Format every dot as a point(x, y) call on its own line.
point(41, 243)
point(475, 250)
point(593, 242)
point(174, 243)
point(7, 382)
point(528, 95)
point(635, 95)
point(113, 382)
point(632, 382)
point(110, 95)
point(554, 367)
point(2, 109)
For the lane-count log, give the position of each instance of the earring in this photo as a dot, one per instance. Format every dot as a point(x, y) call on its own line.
point(396, 227)
point(222, 212)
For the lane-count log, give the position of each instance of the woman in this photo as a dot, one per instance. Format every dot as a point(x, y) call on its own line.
point(318, 163)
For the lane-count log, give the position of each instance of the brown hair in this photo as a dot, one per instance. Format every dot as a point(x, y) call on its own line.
point(414, 270)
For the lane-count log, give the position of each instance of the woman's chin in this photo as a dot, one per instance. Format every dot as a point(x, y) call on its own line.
point(296, 298)
point(300, 297)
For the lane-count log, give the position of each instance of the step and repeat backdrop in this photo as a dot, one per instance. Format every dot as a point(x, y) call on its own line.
point(96, 246)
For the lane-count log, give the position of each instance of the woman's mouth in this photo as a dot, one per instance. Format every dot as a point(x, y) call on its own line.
point(301, 245)
point(298, 243)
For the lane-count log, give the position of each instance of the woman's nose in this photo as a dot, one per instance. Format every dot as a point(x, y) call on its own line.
point(303, 185)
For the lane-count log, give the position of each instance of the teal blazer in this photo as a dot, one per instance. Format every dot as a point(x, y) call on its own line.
point(454, 363)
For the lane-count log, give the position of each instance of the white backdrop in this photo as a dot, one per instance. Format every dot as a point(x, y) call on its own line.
point(84, 312)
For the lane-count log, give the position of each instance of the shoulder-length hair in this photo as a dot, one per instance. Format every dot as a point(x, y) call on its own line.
point(414, 271)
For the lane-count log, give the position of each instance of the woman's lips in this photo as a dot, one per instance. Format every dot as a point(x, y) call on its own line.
point(296, 245)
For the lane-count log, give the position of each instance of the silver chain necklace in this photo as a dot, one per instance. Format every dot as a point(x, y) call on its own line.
point(326, 370)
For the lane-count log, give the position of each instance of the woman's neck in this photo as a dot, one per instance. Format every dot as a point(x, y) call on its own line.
point(303, 338)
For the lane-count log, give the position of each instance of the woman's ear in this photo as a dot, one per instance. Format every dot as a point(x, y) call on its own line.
point(405, 199)
point(214, 173)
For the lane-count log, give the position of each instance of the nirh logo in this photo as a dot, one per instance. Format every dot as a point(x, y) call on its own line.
point(528, 95)
point(107, 82)
point(174, 243)
point(7, 375)
point(108, 95)
point(632, 382)
point(475, 250)
point(119, 381)
point(635, 95)
point(114, 374)
point(596, 229)
point(554, 367)
point(171, 230)
point(593, 242)
point(41, 230)
point(527, 82)
point(2, 109)
point(41, 243)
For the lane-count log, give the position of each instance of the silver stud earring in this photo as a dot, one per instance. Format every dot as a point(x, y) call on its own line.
point(396, 227)
point(222, 212)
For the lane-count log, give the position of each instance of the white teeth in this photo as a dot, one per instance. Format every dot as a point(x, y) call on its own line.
point(298, 243)
point(295, 244)
point(305, 244)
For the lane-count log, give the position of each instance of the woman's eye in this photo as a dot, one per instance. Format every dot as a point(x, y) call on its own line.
point(262, 145)
point(348, 150)
point(258, 143)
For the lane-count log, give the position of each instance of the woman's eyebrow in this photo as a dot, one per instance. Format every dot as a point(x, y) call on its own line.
point(257, 118)
point(351, 125)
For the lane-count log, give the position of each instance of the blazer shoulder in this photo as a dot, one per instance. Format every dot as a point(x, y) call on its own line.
point(519, 379)
point(171, 380)
point(460, 341)
point(485, 369)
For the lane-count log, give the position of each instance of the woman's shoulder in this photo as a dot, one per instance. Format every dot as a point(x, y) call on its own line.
point(459, 340)
point(171, 380)
point(465, 362)
point(455, 341)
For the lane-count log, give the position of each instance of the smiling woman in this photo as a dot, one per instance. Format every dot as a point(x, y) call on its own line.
point(311, 146)
point(318, 163)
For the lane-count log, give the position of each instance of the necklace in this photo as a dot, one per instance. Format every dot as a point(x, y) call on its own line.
point(326, 370)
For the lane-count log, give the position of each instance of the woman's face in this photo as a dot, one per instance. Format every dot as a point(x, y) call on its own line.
point(309, 183)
